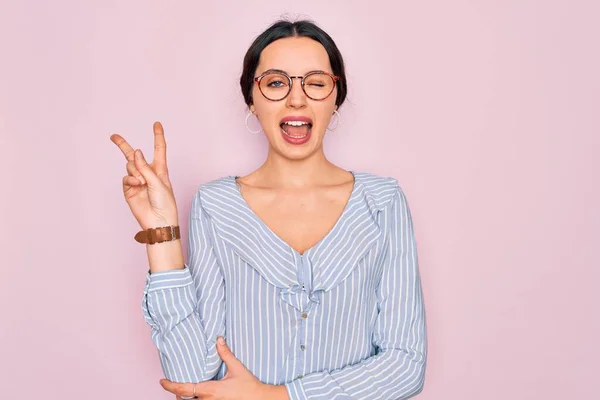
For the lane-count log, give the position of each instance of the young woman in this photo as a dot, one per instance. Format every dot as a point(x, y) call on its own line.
point(308, 271)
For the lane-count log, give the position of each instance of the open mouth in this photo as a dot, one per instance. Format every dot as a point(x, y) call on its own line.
point(296, 129)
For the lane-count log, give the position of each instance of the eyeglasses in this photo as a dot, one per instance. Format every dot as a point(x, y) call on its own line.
point(275, 84)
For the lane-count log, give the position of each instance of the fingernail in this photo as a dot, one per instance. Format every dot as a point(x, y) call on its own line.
point(138, 154)
point(221, 340)
point(141, 179)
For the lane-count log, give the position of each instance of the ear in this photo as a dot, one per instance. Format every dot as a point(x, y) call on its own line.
point(252, 109)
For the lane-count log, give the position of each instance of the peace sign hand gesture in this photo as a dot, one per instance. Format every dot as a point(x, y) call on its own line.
point(146, 187)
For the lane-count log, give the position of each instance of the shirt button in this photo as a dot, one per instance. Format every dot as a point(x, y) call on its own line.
point(304, 315)
point(302, 347)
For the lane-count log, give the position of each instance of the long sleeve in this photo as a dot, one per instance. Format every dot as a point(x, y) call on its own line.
point(397, 370)
point(186, 308)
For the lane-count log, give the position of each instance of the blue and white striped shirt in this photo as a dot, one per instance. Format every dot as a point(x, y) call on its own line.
point(343, 320)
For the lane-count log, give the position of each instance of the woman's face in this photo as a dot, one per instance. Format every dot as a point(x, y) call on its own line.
point(296, 56)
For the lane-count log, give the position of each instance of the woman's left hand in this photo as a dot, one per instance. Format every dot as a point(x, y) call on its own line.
point(238, 383)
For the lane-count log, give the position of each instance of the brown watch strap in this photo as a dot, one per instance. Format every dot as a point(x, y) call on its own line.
point(158, 235)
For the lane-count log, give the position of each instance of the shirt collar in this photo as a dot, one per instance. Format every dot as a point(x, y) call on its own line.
point(329, 261)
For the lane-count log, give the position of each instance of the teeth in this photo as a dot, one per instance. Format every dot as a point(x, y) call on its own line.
point(296, 123)
point(294, 136)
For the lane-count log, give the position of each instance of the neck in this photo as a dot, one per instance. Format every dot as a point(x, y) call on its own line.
point(315, 170)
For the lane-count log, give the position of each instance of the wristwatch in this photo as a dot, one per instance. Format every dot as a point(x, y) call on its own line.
point(158, 235)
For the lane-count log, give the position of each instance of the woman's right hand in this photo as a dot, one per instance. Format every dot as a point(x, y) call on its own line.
point(146, 187)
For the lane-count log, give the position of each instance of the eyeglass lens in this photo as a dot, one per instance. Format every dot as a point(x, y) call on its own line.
point(276, 86)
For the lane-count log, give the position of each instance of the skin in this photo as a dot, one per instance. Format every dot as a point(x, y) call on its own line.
point(296, 56)
point(296, 192)
point(238, 383)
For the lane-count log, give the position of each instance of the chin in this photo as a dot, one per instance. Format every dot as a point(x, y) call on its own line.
point(293, 151)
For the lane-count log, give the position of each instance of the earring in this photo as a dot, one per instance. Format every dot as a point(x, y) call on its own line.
point(337, 121)
point(247, 127)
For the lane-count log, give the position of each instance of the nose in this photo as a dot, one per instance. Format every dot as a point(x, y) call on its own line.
point(297, 98)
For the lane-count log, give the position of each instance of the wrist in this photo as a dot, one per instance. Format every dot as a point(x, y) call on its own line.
point(164, 222)
point(165, 256)
point(274, 392)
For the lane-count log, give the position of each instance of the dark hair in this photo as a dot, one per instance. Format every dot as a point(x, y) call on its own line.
point(283, 29)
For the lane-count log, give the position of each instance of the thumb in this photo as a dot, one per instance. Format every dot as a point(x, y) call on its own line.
point(145, 170)
point(232, 363)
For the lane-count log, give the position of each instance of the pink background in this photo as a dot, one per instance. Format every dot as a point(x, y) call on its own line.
point(486, 112)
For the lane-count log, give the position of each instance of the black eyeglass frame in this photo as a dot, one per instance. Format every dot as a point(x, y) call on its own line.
point(291, 82)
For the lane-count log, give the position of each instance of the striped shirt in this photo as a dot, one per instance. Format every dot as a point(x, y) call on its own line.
point(343, 320)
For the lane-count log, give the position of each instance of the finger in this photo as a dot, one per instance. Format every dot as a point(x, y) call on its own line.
point(129, 181)
point(123, 145)
point(232, 363)
point(207, 389)
point(133, 171)
point(180, 389)
point(140, 163)
point(160, 149)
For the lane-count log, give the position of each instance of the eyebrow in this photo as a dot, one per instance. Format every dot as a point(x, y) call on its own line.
point(282, 71)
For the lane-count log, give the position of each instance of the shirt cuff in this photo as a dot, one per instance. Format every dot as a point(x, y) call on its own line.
point(168, 279)
point(295, 390)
